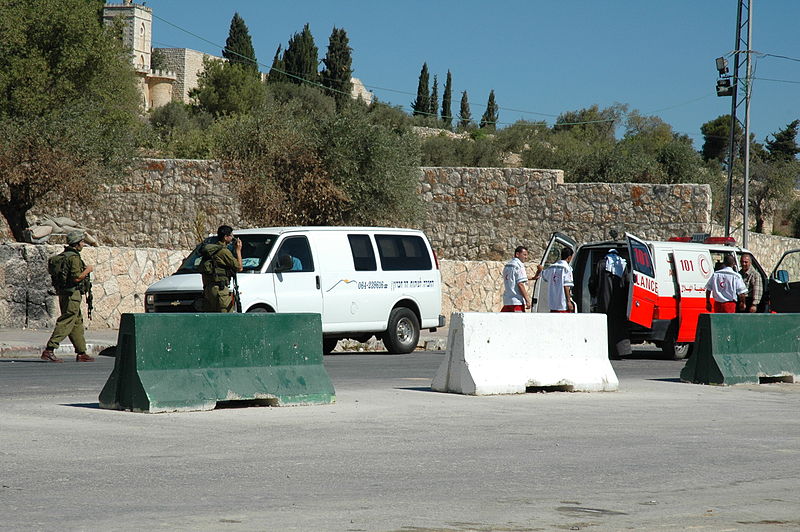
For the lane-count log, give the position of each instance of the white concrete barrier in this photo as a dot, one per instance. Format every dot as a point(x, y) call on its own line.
point(500, 353)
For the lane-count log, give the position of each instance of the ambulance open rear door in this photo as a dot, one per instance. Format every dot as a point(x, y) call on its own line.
point(693, 269)
point(552, 254)
point(643, 289)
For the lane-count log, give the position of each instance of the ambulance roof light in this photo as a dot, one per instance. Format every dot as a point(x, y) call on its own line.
point(680, 239)
point(724, 240)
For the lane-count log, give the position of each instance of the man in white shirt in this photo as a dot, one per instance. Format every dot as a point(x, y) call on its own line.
point(515, 293)
point(559, 280)
point(727, 287)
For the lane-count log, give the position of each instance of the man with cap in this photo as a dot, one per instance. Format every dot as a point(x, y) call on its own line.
point(218, 266)
point(70, 323)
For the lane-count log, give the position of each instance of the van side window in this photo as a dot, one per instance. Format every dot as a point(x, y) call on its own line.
point(403, 252)
point(295, 251)
point(363, 254)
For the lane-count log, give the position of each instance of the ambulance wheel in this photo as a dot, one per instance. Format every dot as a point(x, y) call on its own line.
point(676, 350)
point(403, 333)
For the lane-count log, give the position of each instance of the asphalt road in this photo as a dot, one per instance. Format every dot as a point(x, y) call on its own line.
point(391, 455)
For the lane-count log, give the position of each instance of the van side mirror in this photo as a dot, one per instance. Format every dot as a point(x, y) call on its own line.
point(782, 276)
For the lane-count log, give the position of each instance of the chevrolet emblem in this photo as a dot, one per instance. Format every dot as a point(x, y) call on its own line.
point(175, 303)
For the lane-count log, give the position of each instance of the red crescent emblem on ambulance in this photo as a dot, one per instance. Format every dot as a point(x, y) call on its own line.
point(704, 266)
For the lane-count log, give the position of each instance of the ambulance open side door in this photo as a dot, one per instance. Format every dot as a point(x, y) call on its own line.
point(692, 269)
point(552, 254)
point(643, 289)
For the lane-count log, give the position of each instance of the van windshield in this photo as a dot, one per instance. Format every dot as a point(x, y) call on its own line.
point(255, 249)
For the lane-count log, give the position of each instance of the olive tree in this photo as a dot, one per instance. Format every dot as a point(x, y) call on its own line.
point(68, 105)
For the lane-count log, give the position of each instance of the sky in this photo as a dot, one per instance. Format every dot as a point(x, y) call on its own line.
point(541, 58)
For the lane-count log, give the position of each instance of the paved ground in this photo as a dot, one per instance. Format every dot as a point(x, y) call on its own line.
point(391, 455)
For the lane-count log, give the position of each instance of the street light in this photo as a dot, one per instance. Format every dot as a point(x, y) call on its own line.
point(724, 86)
point(722, 66)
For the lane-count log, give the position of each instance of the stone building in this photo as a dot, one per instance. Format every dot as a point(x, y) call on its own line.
point(187, 65)
point(156, 87)
point(159, 87)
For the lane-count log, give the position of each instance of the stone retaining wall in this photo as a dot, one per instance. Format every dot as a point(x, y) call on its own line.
point(164, 203)
point(767, 248)
point(120, 278)
point(472, 213)
point(484, 213)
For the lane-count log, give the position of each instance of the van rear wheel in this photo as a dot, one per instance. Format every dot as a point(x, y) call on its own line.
point(402, 334)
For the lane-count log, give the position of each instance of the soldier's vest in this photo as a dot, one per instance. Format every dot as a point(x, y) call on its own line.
point(211, 267)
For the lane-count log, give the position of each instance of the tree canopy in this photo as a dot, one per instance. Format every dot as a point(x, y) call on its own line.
point(447, 111)
point(338, 69)
point(464, 115)
point(491, 115)
point(783, 146)
point(422, 104)
point(68, 105)
point(716, 137)
point(239, 46)
point(301, 58)
point(292, 166)
point(225, 88)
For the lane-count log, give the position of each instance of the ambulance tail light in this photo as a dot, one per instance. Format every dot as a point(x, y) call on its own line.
point(680, 239)
point(724, 240)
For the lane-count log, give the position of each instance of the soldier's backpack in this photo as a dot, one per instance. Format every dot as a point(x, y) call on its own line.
point(207, 264)
point(58, 268)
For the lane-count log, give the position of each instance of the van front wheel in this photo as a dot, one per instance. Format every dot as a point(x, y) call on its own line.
point(402, 334)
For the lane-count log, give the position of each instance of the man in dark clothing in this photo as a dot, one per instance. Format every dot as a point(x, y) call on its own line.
point(610, 288)
point(217, 266)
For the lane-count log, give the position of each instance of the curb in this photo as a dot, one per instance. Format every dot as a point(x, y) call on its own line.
point(64, 350)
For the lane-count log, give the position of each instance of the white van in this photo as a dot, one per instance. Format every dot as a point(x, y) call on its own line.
point(666, 283)
point(363, 281)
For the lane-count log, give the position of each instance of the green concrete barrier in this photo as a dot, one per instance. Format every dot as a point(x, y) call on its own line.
point(168, 362)
point(745, 348)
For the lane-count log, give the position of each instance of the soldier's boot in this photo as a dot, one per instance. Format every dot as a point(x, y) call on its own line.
point(83, 357)
point(49, 356)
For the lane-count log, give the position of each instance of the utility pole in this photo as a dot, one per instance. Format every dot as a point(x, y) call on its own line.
point(743, 46)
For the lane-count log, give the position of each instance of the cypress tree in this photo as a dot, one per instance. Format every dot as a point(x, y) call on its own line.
point(239, 47)
point(301, 58)
point(490, 116)
point(465, 116)
point(276, 72)
point(422, 103)
point(447, 113)
point(433, 109)
point(338, 67)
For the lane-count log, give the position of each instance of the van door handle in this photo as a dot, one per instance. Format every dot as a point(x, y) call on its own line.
point(317, 282)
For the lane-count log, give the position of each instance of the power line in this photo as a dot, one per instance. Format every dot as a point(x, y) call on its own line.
point(777, 80)
point(781, 57)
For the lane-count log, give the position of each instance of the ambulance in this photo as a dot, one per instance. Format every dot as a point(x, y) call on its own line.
point(665, 279)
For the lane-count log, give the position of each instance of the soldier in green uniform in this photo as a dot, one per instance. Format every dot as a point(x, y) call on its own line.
point(218, 265)
point(70, 323)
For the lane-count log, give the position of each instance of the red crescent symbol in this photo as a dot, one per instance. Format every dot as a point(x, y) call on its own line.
point(704, 266)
